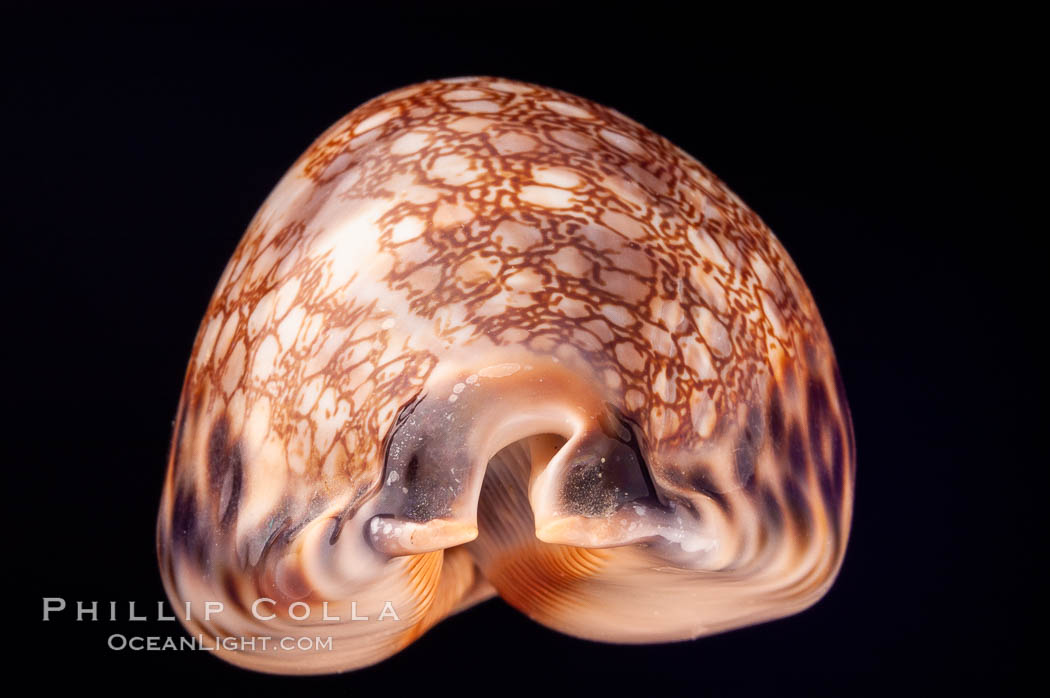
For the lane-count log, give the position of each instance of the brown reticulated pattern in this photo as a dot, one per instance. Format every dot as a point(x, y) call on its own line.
point(494, 213)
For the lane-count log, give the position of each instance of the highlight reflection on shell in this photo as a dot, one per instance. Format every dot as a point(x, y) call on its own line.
point(489, 338)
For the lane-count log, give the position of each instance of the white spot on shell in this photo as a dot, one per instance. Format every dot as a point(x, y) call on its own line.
point(568, 110)
point(453, 169)
point(713, 331)
point(408, 228)
point(621, 141)
point(547, 197)
point(463, 95)
point(377, 119)
point(481, 106)
point(411, 142)
point(555, 177)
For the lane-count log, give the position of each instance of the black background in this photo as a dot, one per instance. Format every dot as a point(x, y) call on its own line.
point(885, 149)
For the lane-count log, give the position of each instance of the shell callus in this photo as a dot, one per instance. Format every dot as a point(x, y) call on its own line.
point(488, 338)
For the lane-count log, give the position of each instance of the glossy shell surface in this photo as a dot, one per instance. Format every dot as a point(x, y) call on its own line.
point(487, 337)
